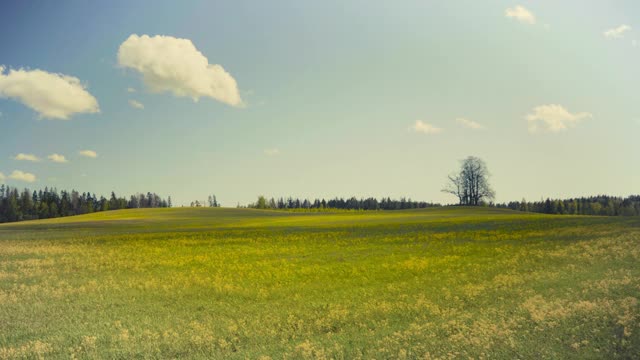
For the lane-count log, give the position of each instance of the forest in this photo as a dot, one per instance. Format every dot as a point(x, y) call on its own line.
point(22, 205)
point(594, 205)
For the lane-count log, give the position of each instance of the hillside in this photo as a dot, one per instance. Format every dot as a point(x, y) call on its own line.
point(240, 283)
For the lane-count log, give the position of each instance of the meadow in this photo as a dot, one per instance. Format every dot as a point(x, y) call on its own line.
point(206, 283)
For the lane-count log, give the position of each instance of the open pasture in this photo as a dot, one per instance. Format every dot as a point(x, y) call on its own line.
point(239, 283)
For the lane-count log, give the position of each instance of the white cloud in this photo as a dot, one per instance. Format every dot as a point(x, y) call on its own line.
point(52, 96)
point(272, 152)
point(136, 104)
point(469, 124)
point(26, 157)
point(22, 176)
point(521, 14)
point(89, 153)
point(131, 90)
point(57, 158)
point(616, 33)
point(173, 64)
point(2, 177)
point(634, 43)
point(425, 128)
point(553, 118)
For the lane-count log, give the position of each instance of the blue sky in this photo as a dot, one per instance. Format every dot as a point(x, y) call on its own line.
point(326, 98)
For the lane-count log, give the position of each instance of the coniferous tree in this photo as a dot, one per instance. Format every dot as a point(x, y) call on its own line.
point(48, 203)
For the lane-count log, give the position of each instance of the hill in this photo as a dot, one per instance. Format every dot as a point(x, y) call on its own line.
point(241, 283)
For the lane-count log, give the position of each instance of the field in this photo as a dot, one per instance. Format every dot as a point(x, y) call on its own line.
point(239, 283)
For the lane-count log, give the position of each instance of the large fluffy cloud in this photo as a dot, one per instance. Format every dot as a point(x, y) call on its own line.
point(521, 14)
point(553, 118)
point(22, 176)
point(422, 127)
point(52, 96)
point(172, 64)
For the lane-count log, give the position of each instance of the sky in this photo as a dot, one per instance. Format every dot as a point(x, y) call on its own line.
point(320, 98)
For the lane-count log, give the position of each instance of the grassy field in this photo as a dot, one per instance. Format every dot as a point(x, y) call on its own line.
point(239, 283)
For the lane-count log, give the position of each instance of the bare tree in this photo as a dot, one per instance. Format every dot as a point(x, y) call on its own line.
point(471, 184)
point(456, 187)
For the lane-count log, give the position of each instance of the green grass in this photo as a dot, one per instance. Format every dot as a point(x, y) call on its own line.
point(239, 283)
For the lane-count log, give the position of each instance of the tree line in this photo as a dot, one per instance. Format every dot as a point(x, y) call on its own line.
point(470, 185)
point(351, 203)
point(18, 205)
point(594, 205)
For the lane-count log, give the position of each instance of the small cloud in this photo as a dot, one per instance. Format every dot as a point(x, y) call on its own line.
point(88, 153)
point(634, 43)
point(616, 33)
point(26, 157)
point(2, 177)
point(131, 90)
point(136, 105)
point(521, 14)
point(553, 118)
point(52, 179)
point(83, 175)
point(22, 176)
point(422, 127)
point(51, 95)
point(57, 158)
point(470, 124)
point(175, 65)
point(272, 152)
